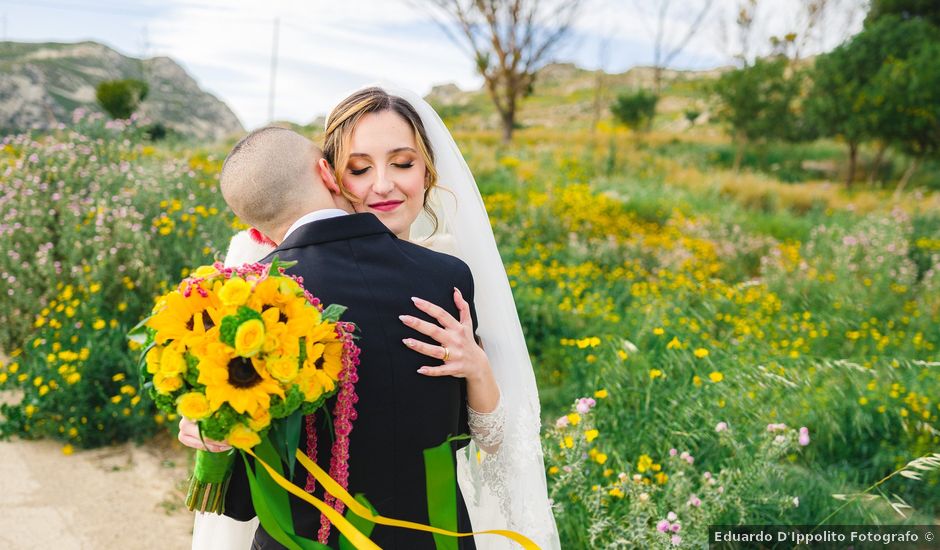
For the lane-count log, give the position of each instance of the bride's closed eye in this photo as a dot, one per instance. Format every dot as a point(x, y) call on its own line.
point(403, 164)
point(360, 171)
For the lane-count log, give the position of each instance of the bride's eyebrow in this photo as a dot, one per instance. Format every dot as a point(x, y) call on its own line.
point(401, 149)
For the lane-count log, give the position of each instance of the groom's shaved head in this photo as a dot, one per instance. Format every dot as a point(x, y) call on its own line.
point(269, 177)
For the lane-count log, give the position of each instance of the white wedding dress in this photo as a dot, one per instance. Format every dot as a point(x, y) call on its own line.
point(502, 490)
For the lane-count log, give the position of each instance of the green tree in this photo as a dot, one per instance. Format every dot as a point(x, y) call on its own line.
point(847, 101)
point(759, 103)
point(120, 98)
point(905, 9)
point(911, 102)
point(635, 109)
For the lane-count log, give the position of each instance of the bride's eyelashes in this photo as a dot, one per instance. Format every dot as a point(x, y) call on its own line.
point(401, 165)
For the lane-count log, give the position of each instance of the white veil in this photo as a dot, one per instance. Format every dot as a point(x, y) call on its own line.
point(505, 490)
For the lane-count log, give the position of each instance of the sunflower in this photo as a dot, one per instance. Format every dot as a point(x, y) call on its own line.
point(300, 314)
point(267, 293)
point(184, 318)
point(325, 355)
point(243, 383)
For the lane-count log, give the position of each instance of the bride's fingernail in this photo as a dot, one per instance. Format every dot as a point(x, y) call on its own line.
point(407, 342)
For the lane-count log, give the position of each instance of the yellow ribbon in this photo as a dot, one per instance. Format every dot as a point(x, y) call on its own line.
point(339, 492)
point(358, 540)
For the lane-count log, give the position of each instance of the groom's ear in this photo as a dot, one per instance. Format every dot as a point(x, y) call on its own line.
point(328, 177)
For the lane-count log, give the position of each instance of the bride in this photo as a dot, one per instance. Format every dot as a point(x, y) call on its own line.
point(504, 489)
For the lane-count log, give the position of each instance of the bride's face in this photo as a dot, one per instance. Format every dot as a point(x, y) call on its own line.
point(386, 171)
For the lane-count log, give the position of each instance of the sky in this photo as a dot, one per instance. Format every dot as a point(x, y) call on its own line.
point(326, 49)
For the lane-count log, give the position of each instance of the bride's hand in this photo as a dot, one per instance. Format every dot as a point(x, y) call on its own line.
point(462, 356)
point(189, 436)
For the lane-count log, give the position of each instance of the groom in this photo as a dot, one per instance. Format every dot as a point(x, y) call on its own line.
point(277, 181)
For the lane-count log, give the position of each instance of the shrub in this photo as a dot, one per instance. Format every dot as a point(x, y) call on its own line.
point(635, 109)
point(120, 98)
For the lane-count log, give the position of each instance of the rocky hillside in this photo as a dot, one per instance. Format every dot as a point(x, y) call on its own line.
point(568, 97)
point(41, 84)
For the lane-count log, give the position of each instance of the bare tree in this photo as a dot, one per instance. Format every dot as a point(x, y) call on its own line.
point(669, 42)
point(509, 40)
point(737, 42)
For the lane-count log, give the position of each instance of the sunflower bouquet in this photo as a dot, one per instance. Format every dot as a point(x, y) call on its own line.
point(247, 352)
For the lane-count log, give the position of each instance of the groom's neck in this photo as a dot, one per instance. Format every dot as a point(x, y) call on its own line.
point(281, 233)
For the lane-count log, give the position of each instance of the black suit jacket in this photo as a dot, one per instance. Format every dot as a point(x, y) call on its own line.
point(357, 262)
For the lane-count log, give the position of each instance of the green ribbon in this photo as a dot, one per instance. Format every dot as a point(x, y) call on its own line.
point(212, 467)
point(442, 491)
point(272, 504)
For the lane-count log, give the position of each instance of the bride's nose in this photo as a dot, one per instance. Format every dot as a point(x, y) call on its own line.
point(383, 184)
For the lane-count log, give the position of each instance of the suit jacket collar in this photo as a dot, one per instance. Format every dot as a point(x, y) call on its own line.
point(335, 229)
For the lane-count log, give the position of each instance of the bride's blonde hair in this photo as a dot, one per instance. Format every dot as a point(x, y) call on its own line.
point(342, 122)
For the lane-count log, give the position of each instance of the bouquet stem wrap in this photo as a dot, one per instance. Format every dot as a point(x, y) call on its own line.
point(209, 481)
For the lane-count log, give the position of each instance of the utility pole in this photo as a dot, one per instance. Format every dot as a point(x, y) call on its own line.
point(277, 24)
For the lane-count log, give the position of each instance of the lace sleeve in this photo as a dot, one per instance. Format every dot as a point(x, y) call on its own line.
point(487, 428)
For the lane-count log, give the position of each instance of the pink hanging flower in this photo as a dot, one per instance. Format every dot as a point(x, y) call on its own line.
point(344, 414)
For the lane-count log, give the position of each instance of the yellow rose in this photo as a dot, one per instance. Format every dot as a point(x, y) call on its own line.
point(249, 337)
point(153, 359)
point(283, 368)
point(193, 405)
point(172, 362)
point(310, 384)
point(205, 271)
point(166, 384)
point(235, 292)
point(289, 286)
point(242, 437)
point(260, 420)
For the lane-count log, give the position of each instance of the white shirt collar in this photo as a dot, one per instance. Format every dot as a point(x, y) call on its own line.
point(316, 215)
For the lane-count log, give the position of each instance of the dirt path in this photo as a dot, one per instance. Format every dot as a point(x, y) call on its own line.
point(121, 497)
